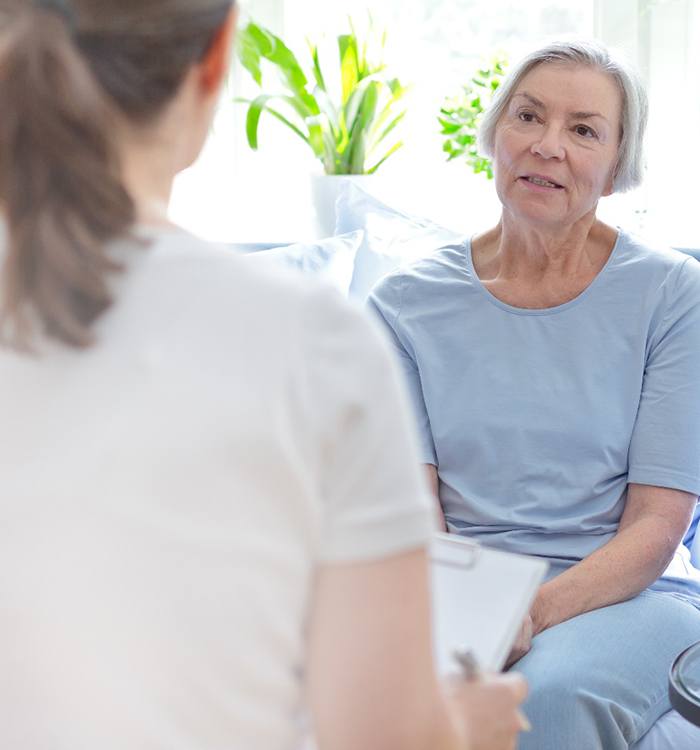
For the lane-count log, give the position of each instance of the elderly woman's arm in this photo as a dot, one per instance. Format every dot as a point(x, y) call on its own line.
point(651, 528)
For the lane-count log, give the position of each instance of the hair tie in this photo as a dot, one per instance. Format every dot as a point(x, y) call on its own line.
point(60, 8)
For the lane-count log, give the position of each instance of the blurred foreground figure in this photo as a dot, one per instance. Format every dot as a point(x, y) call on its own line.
point(209, 536)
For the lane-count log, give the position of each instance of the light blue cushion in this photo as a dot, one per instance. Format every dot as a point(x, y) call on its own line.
point(254, 247)
point(694, 251)
point(331, 260)
point(695, 551)
point(390, 237)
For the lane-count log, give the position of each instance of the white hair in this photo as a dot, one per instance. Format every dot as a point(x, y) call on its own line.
point(629, 168)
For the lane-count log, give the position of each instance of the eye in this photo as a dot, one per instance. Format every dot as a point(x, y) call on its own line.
point(526, 116)
point(585, 131)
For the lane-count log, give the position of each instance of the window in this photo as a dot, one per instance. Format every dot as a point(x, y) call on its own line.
point(661, 37)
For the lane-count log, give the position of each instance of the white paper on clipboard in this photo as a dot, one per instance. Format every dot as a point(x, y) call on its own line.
point(480, 597)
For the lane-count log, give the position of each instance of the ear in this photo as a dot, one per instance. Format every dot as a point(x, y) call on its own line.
point(215, 64)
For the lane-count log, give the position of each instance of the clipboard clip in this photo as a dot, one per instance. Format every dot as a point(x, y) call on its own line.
point(469, 553)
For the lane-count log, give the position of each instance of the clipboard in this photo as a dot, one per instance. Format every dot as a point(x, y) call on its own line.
point(480, 597)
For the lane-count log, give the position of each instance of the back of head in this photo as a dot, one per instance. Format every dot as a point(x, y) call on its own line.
point(70, 70)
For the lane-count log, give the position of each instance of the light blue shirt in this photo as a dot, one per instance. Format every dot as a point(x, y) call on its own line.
point(538, 419)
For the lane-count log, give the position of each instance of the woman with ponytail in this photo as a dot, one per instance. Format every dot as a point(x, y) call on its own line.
point(211, 535)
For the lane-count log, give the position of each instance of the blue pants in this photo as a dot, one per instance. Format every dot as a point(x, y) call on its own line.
point(600, 680)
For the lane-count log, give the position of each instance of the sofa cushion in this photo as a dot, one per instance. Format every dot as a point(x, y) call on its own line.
point(390, 237)
point(331, 259)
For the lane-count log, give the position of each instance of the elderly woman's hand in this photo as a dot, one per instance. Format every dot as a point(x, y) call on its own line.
point(523, 642)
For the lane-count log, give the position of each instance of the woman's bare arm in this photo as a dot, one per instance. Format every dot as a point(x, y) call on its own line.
point(371, 680)
point(652, 526)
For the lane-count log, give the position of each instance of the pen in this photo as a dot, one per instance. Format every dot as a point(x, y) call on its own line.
point(469, 668)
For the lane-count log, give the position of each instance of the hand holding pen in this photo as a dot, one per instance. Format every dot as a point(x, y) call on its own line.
point(489, 704)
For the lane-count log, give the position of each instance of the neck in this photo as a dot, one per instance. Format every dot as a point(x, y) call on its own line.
point(515, 250)
point(149, 182)
point(152, 155)
point(150, 159)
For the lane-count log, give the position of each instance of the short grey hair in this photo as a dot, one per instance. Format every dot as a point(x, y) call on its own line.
point(630, 163)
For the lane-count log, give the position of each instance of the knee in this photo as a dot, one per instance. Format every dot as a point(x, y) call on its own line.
point(570, 709)
point(557, 695)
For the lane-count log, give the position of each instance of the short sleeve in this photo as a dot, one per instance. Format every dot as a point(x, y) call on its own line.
point(375, 498)
point(665, 445)
point(384, 303)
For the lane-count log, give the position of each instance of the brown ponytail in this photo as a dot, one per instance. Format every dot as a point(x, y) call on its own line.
point(60, 185)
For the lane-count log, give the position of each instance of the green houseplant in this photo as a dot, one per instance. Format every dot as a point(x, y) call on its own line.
point(346, 130)
point(460, 116)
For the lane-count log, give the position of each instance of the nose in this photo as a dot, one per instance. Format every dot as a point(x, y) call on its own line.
point(549, 143)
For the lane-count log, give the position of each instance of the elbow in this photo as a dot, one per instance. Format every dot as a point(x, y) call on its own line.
point(665, 544)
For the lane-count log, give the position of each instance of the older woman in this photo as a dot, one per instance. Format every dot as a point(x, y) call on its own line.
point(553, 363)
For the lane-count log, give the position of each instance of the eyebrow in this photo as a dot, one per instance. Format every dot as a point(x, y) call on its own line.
point(576, 115)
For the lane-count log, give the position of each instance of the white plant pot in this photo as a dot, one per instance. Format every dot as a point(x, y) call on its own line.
point(325, 189)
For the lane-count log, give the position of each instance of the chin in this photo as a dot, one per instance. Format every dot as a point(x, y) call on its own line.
point(542, 215)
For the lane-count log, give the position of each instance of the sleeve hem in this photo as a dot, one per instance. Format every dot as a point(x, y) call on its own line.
point(394, 536)
point(670, 479)
point(427, 456)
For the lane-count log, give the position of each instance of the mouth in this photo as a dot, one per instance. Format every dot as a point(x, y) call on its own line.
point(540, 181)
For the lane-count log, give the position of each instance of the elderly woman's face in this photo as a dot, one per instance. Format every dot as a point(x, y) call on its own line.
point(556, 144)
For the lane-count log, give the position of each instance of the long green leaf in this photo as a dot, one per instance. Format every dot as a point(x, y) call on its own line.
point(391, 151)
point(357, 153)
point(315, 138)
point(396, 88)
point(316, 66)
point(255, 109)
point(354, 103)
point(368, 107)
point(273, 49)
point(249, 54)
point(289, 124)
point(389, 128)
point(327, 108)
point(388, 111)
point(347, 47)
point(253, 119)
point(357, 147)
point(330, 156)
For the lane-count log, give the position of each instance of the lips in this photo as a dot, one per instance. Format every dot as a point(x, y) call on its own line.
point(542, 181)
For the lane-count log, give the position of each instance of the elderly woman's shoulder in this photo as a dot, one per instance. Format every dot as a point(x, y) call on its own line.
point(659, 258)
point(448, 262)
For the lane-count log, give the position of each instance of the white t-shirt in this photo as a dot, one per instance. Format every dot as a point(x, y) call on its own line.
point(167, 495)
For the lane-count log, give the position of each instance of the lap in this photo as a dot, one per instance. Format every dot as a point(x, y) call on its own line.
point(618, 656)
